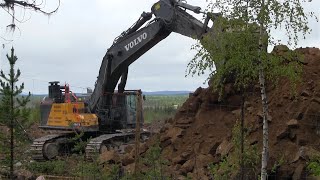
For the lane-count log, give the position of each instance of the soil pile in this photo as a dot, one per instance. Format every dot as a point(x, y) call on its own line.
point(200, 133)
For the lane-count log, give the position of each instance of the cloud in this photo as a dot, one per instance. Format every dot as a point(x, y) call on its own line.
point(69, 46)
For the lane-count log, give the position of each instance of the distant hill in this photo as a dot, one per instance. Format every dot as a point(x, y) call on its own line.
point(152, 93)
point(158, 93)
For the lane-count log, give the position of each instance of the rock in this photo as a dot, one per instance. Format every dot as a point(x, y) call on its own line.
point(302, 141)
point(186, 154)
point(40, 178)
point(247, 104)
point(269, 118)
point(213, 148)
point(194, 106)
point(177, 167)
point(260, 117)
point(187, 167)
point(18, 164)
point(282, 133)
point(179, 160)
point(306, 153)
point(23, 174)
point(185, 120)
point(297, 175)
point(250, 109)
point(165, 128)
point(305, 93)
point(292, 136)
point(236, 112)
point(316, 99)
point(180, 177)
point(204, 160)
point(164, 137)
point(127, 159)
point(182, 158)
point(109, 157)
point(143, 148)
point(293, 123)
point(166, 143)
point(224, 148)
point(128, 149)
point(197, 91)
point(170, 137)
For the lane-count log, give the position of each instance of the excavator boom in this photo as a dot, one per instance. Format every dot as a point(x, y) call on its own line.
point(169, 16)
point(108, 117)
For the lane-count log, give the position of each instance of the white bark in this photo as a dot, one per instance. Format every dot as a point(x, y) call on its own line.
point(265, 147)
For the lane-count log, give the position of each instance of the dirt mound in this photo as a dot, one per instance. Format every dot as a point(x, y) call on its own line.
point(200, 133)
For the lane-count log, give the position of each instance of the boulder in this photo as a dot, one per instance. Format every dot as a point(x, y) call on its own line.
point(18, 164)
point(23, 174)
point(306, 153)
point(170, 137)
point(187, 167)
point(179, 160)
point(127, 159)
point(316, 99)
point(128, 149)
point(306, 93)
point(165, 128)
point(283, 133)
point(185, 120)
point(166, 143)
point(208, 147)
point(186, 154)
point(204, 160)
point(250, 109)
point(297, 175)
point(236, 112)
point(302, 141)
point(197, 91)
point(224, 148)
point(293, 123)
point(109, 157)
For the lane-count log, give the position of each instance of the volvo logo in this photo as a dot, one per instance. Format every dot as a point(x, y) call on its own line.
point(136, 41)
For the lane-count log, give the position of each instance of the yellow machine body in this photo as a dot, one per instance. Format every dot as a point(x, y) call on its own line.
point(69, 115)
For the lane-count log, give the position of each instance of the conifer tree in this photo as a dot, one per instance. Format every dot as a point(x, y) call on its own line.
point(13, 108)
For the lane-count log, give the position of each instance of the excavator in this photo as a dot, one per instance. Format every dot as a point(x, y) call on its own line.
point(108, 117)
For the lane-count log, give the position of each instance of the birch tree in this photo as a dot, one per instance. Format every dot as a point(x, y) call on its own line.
point(236, 48)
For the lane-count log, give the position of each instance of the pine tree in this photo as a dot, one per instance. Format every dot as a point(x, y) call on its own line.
point(13, 108)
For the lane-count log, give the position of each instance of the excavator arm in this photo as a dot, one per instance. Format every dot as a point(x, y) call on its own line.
point(170, 16)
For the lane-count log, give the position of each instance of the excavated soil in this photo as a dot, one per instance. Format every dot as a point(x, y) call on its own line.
point(200, 133)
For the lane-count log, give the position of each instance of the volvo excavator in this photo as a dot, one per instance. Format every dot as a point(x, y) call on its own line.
point(107, 118)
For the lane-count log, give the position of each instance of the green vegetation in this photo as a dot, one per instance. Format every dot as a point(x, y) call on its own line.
point(13, 111)
point(314, 166)
point(57, 167)
point(153, 165)
point(230, 166)
point(236, 49)
point(162, 107)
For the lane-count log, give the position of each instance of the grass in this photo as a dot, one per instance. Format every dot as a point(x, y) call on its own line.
point(161, 107)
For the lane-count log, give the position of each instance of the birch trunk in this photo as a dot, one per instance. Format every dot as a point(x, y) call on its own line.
point(265, 147)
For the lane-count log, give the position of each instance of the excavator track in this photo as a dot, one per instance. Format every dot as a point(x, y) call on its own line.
point(38, 146)
point(116, 141)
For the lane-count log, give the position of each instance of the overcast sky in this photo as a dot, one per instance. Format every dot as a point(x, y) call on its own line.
point(69, 46)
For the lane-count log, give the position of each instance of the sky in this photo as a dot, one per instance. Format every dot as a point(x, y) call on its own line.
point(69, 46)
